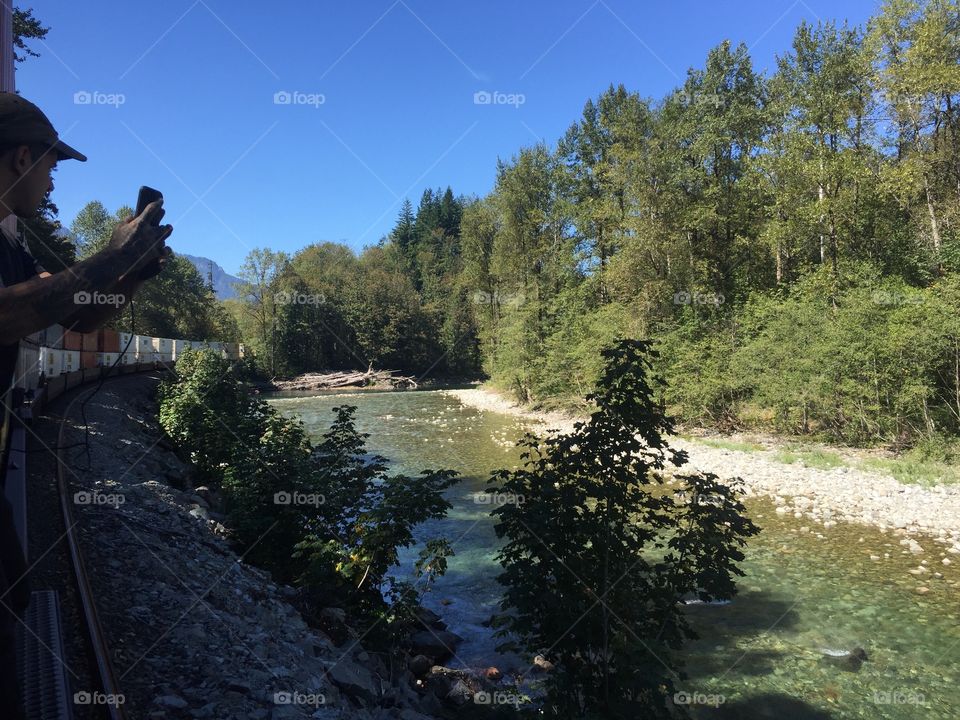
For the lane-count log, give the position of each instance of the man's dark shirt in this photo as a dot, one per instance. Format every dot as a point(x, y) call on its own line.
point(16, 265)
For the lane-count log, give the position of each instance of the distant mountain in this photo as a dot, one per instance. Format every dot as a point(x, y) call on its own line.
point(222, 282)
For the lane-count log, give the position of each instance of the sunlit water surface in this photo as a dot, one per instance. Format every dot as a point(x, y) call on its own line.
point(763, 653)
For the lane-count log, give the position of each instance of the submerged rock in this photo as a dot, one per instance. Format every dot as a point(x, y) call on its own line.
point(848, 660)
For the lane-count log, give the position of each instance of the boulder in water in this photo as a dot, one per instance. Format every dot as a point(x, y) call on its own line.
point(847, 660)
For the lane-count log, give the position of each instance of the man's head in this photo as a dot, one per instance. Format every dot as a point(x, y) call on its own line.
point(29, 150)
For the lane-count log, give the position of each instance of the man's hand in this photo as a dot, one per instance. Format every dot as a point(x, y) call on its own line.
point(140, 240)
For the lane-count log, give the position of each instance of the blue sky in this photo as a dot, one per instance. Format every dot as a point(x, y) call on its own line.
point(183, 96)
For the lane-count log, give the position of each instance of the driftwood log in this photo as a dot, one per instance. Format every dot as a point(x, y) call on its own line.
point(359, 378)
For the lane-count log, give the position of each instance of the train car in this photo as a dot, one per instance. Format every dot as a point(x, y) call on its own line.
point(89, 350)
point(197, 344)
point(179, 346)
point(108, 359)
point(163, 349)
point(217, 347)
point(27, 372)
point(231, 351)
point(128, 348)
point(50, 362)
point(108, 341)
point(70, 361)
point(52, 337)
point(144, 348)
point(72, 340)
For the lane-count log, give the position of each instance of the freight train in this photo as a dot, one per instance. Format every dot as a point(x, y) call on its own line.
point(57, 351)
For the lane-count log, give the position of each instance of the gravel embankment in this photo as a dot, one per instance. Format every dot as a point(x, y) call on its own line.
point(842, 494)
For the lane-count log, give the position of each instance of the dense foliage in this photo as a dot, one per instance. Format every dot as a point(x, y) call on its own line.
point(792, 238)
point(327, 518)
point(600, 552)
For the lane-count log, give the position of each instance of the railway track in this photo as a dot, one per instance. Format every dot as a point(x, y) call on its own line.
point(66, 668)
point(93, 630)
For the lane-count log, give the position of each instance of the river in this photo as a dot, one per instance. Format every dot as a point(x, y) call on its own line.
point(807, 590)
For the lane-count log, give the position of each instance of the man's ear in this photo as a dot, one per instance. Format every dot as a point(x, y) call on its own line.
point(17, 159)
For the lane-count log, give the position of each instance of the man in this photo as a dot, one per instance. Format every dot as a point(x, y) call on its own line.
point(32, 299)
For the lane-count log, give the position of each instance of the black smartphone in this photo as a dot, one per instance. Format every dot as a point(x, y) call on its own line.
point(146, 196)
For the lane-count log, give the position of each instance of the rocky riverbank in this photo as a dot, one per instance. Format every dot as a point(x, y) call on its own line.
point(196, 632)
point(839, 494)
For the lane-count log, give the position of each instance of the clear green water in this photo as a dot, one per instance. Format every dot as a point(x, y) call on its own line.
point(762, 653)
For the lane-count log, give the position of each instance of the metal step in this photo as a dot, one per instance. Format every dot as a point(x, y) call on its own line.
point(41, 661)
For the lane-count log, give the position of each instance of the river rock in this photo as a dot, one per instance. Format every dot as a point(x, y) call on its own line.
point(460, 693)
point(353, 679)
point(419, 665)
point(438, 644)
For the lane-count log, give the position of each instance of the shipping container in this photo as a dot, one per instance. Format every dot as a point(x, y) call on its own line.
point(108, 359)
point(179, 346)
point(72, 340)
point(88, 351)
point(70, 362)
point(109, 341)
point(144, 348)
point(27, 372)
point(52, 337)
point(163, 347)
point(51, 361)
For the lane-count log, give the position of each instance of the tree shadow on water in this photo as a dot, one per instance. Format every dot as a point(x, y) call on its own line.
point(770, 706)
point(733, 626)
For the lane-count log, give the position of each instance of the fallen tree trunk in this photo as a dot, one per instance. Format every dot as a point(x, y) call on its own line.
point(358, 378)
